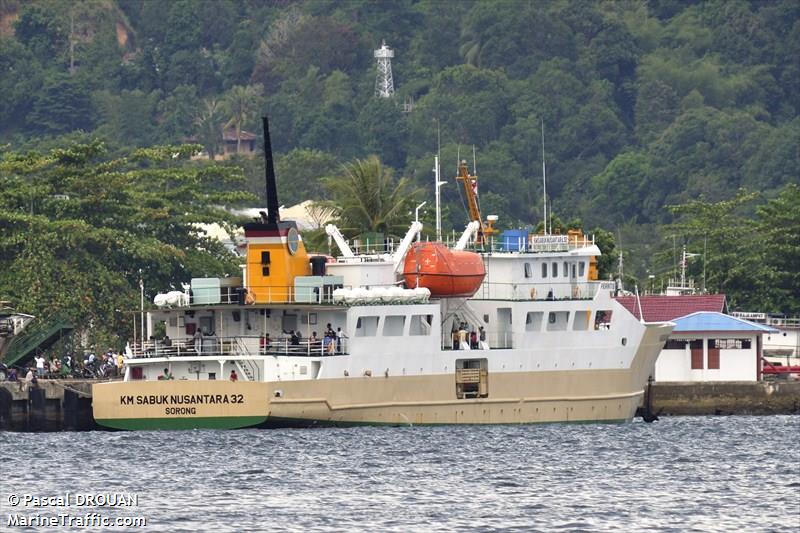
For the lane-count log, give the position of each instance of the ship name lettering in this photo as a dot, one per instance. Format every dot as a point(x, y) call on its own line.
point(126, 400)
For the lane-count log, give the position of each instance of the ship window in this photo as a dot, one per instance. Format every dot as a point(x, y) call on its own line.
point(367, 326)
point(602, 320)
point(265, 258)
point(528, 273)
point(533, 321)
point(557, 320)
point(573, 271)
point(420, 325)
point(555, 269)
point(485, 319)
point(581, 322)
point(265, 271)
point(544, 270)
point(566, 270)
point(393, 325)
point(581, 269)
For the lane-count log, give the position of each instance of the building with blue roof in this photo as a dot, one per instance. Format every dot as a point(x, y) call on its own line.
point(712, 346)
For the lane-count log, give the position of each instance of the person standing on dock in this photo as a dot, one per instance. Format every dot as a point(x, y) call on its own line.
point(39, 365)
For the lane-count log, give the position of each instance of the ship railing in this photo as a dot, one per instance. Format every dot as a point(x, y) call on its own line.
point(307, 347)
point(493, 341)
point(213, 346)
point(540, 291)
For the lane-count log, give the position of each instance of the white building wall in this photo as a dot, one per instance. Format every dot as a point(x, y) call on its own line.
point(734, 364)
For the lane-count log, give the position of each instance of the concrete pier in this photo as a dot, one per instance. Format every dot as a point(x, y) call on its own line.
point(66, 405)
point(51, 405)
point(726, 398)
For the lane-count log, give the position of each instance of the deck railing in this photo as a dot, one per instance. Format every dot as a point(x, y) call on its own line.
point(212, 346)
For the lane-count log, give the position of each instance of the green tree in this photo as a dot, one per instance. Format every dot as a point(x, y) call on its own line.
point(79, 228)
point(367, 198)
point(241, 104)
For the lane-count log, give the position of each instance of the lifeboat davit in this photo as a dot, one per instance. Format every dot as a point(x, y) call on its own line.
point(445, 272)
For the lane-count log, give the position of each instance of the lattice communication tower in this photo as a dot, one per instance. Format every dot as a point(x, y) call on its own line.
point(384, 84)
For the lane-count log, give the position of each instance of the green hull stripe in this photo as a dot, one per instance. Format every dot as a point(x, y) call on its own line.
point(211, 422)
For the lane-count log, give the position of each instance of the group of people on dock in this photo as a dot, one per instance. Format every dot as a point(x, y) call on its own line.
point(107, 365)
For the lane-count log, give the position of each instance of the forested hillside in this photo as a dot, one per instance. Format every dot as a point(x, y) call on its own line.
point(644, 104)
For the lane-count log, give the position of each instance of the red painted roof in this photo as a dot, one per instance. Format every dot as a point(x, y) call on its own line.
point(658, 308)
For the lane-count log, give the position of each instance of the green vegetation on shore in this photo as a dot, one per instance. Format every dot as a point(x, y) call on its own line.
point(645, 105)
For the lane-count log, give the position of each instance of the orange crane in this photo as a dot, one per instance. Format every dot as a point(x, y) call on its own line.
point(486, 229)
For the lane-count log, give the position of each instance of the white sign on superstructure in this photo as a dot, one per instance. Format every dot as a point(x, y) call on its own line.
point(549, 243)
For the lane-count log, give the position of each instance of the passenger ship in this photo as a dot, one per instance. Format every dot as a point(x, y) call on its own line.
point(555, 347)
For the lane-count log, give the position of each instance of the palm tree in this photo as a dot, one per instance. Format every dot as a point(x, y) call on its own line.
point(207, 121)
point(367, 198)
point(241, 103)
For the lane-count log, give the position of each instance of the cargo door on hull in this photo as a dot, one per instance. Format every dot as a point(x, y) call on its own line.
point(472, 378)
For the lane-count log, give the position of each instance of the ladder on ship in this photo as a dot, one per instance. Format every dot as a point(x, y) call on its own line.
point(247, 367)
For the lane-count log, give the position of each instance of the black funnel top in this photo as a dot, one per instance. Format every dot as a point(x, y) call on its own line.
point(273, 216)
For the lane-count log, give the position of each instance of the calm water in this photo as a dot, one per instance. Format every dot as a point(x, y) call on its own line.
point(678, 474)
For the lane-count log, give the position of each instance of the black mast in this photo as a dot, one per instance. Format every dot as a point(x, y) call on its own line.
point(273, 216)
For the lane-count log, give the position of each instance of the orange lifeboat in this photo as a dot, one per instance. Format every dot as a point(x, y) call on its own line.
point(445, 272)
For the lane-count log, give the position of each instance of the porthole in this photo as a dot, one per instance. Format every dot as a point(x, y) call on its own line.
point(624, 341)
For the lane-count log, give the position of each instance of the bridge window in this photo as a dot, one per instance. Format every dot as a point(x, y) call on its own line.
point(544, 270)
point(566, 269)
point(393, 325)
point(533, 321)
point(557, 320)
point(528, 272)
point(555, 269)
point(581, 322)
point(367, 326)
point(602, 320)
point(581, 269)
point(420, 325)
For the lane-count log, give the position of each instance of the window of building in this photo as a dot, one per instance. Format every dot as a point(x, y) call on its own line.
point(730, 344)
point(533, 321)
point(676, 344)
point(393, 325)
